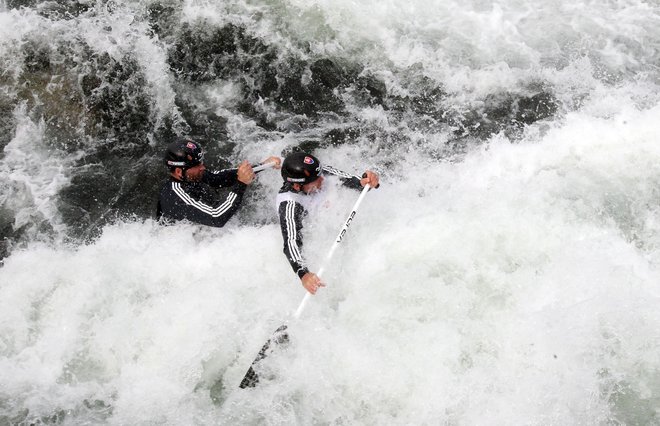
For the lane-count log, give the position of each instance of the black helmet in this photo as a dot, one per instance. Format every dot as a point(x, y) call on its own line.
point(183, 153)
point(301, 168)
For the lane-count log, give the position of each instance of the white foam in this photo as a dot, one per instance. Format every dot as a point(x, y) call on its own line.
point(34, 176)
point(516, 286)
point(506, 288)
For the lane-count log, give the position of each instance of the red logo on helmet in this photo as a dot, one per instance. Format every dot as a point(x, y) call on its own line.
point(308, 160)
point(191, 145)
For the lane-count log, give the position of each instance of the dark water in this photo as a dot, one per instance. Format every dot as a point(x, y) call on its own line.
point(98, 107)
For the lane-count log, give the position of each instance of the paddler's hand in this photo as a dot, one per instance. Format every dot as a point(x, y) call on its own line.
point(274, 159)
point(370, 178)
point(311, 282)
point(245, 173)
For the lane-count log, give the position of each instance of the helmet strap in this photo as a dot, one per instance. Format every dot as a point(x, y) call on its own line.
point(289, 186)
point(182, 177)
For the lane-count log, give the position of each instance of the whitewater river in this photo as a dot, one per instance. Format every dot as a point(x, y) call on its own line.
point(506, 272)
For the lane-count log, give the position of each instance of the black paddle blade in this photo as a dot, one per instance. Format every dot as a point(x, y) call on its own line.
point(251, 378)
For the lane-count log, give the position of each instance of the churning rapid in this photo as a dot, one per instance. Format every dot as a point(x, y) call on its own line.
point(507, 272)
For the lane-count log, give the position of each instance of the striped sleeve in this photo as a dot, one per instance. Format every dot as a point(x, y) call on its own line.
point(216, 214)
point(347, 179)
point(291, 215)
point(220, 178)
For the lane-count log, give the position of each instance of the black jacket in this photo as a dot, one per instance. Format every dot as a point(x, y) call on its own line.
point(199, 202)
point(292, 207)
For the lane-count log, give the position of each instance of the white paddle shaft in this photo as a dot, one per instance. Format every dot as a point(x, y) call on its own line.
point(264, 166)
point(340, 236)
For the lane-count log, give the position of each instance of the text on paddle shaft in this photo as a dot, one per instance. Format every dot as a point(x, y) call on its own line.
point(346, 225)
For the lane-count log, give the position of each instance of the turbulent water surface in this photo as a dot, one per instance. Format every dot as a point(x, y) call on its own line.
point(507, 272)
